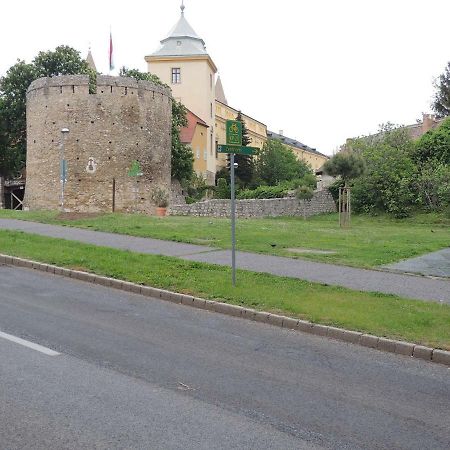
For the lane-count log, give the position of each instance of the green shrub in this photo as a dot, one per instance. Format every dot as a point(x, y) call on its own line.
point(309, 180)
point(334, 189)
point(263, 192)
point(434, 145)
point(196, 187)
point(304, 193)
point(222, 189)
point(388, 184)
point(433, 186)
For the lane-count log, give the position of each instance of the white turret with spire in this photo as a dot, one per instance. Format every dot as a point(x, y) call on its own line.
point(182, 40)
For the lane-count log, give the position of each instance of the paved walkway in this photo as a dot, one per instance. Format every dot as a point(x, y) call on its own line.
point(433, 264)
point(409, 286)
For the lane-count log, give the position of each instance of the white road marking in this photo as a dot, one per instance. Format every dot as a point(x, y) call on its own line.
point(32, 345)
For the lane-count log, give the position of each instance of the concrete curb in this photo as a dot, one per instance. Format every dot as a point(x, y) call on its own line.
point(353, 337)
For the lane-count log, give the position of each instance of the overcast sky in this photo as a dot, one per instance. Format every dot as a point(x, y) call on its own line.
point(321, 70)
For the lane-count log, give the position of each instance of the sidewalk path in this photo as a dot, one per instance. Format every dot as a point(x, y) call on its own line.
point(409, 286)
point(435, 264)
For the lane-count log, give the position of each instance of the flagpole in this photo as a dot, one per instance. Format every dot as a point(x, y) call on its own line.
point(111, 60)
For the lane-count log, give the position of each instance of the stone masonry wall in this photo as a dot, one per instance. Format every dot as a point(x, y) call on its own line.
point(322, 202)
point(125, 121)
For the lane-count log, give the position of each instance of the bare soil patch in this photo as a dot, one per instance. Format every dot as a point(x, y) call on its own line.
point(311, 250)
point(77, 216)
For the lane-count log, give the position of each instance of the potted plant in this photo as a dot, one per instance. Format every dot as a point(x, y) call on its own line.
point(161, 199)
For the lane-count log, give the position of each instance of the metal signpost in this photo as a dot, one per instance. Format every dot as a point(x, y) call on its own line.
point(234, 146)
point(63, 166)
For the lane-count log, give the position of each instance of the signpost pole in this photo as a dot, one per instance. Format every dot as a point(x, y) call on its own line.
point(233, 222)
point(234, 146)
point(63, 166)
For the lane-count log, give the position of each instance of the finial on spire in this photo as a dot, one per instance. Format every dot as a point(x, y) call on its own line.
point(182, 7)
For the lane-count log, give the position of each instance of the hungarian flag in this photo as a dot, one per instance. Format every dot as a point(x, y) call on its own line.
point(111, 60)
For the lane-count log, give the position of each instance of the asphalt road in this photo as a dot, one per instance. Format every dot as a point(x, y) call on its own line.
point(409, 286)
point(141, 373)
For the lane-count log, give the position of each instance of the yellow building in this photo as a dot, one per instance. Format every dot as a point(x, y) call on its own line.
point(303, 153)
point(183, 63)
point(257, 131)
point(195, 134)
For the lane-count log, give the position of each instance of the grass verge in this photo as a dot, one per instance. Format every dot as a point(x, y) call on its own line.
point(384, 315)
point(370, 242)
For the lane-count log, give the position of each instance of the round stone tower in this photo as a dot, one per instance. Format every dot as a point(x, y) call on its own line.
point(117, 148)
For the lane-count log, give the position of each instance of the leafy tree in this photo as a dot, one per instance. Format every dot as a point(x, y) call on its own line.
point(138, 75)
point(388, 182)
point(441, 103)
point(432, 155)
point(64, 60)
point(182, 157)
point(13, 87)
point(402, 174)
point(246, 139)
point(434, 145)
point(433, 185)
point(277, 163)
point(347, 165)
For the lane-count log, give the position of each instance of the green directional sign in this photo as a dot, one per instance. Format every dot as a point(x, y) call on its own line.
point(237, 150)
point(234, 132)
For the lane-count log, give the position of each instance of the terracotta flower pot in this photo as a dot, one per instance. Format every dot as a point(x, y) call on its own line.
point(161, 212)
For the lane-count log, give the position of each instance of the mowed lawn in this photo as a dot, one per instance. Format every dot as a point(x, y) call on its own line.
point(426, 323)
point(369, 242)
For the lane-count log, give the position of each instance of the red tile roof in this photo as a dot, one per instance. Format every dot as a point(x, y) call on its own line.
point(187, 133)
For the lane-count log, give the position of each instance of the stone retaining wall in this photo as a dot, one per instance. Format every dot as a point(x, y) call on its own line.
point(322, 202)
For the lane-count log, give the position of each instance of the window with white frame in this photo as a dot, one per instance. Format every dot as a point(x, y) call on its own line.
point(176, 75)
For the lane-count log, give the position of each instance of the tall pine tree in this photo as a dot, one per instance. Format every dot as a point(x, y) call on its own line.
point(245, 169)
point(441, 104)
